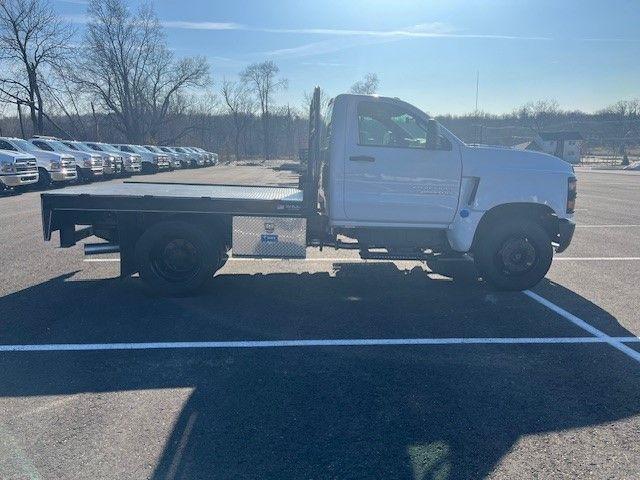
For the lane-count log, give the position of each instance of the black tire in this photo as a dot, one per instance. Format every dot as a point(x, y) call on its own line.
point(177, 258)
point(44, 178)
point(148, 168)
point(514, 254)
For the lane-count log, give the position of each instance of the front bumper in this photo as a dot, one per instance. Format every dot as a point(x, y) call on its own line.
point(16, 180)
point(93, 171)
point(64, 175)
point(134, 166)
point(566, 227)
point(113, 168)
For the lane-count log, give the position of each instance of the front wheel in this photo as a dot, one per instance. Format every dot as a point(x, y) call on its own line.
point(177, 258)
point(514, 255)
point(44, 178)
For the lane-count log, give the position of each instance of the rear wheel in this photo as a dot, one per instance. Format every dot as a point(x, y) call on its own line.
point(177, 258)
point(514, 255)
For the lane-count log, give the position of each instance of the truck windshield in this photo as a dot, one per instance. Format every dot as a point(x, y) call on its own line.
point(24, 145)
point(70, 145)
point(58, 145)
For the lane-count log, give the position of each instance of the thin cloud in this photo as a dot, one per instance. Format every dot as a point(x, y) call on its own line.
point(78, 18)
point(202, 25)
point(422, 30)
point(327, 46)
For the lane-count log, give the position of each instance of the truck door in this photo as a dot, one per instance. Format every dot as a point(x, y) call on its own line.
point(394, 172)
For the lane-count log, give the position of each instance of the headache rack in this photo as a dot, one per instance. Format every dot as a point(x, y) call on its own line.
point(311, 178)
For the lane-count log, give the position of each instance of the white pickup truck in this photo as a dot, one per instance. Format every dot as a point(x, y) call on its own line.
point(17, 169)
point(89, 166)
point(53, 167)
point(382, 178)
point(151, 162)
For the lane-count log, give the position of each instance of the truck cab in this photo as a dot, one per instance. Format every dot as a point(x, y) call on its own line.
point(391, 177)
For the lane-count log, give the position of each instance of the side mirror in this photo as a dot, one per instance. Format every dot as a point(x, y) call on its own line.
point(433, 134)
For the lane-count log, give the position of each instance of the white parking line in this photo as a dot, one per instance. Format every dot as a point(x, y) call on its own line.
point(595, 259)
point(359, 260)
point(632, 225)
point(615, 342)
point(350, 342)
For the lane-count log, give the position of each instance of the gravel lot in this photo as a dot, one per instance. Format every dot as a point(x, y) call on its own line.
point(543, 384)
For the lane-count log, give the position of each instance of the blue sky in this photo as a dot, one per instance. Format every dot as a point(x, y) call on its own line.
point(585, 54)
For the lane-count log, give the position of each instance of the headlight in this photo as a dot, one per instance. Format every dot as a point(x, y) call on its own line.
point(8, 168)
point(56, 166)
point(88, 162)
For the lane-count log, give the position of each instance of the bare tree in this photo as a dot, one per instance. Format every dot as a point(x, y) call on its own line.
point(625, 115)
point(240, 106)
point(538, 115)
point(367, 86)
point(262, 78)
point(33, 41)
point(128, 68)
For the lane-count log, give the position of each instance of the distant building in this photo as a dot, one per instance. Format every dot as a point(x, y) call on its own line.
point(565, 145)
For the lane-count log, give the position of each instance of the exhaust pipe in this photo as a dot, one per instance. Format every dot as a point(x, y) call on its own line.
point(98, 248)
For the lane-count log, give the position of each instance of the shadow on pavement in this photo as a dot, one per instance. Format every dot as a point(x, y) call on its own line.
point(324, 412)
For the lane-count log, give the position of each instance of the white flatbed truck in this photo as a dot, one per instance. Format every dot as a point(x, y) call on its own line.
point(382, 178)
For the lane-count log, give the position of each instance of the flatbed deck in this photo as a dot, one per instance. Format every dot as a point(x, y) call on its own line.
point(141, 197)
point(77, 205)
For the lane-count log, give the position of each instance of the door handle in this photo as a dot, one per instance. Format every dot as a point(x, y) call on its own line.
point(362, 158)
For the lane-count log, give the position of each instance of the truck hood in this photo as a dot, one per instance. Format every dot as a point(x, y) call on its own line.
point(9, 156)
point(504, 158)
point(52, 156)
point(81, 156)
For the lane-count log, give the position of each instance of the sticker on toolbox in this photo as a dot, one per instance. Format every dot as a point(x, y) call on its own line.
point(268, 238)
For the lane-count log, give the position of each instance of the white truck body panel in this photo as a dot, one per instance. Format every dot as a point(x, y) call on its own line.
point(507, 176)
point(405, 185)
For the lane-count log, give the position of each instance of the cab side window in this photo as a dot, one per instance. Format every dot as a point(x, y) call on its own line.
point(386, 125)
point(42, 145)
point(7, 146)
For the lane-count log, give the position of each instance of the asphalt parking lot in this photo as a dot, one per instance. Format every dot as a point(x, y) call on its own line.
point(324, 368)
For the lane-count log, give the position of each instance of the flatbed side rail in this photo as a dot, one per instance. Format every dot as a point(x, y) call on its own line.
point(63, 212)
